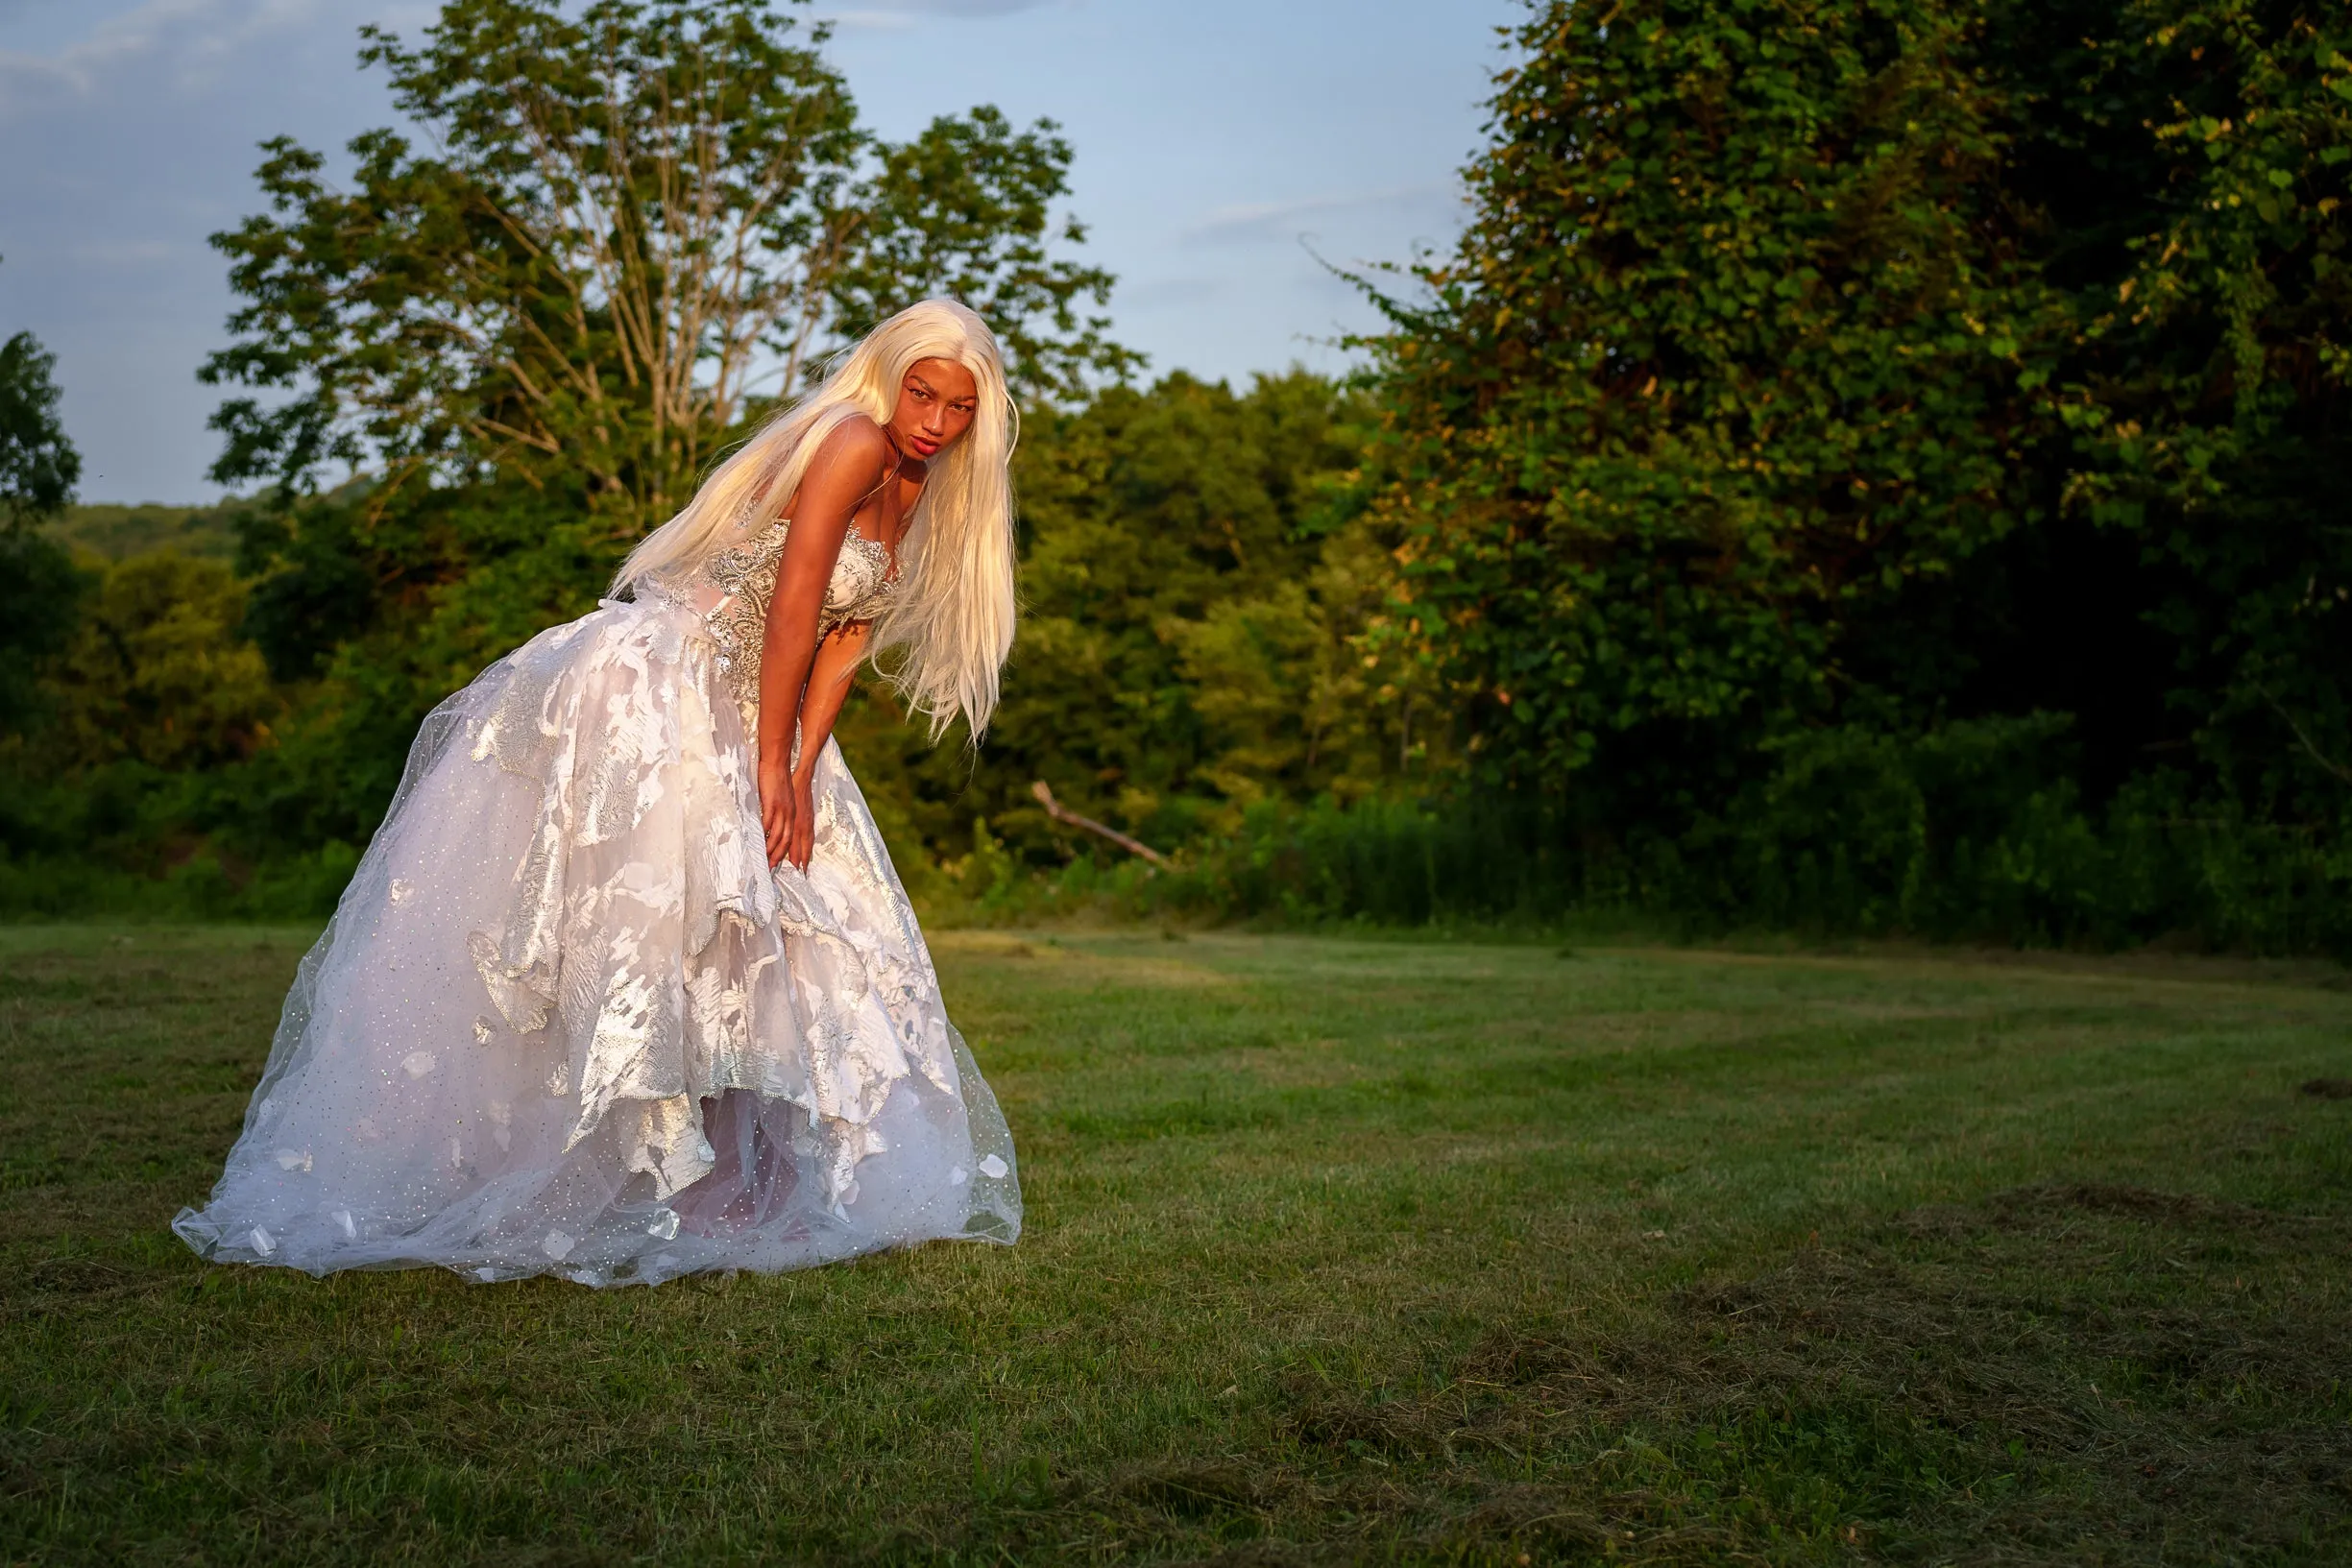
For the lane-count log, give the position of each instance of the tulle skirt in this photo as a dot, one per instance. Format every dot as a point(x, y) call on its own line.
point(568, 1020)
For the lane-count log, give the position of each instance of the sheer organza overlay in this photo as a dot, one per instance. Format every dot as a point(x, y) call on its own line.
point(568, 1020)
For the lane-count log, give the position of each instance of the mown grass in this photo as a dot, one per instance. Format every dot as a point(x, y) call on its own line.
point(1338, 1250)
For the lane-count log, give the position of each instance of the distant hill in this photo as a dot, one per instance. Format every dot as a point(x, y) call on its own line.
point(119, 531)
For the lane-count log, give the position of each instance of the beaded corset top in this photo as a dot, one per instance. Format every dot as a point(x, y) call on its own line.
point(733, 589)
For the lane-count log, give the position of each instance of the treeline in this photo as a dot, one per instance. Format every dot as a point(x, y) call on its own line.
point(206, 742)
point(1864, 468)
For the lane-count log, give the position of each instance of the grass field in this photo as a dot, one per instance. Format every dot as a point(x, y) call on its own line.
point(1338, 1250)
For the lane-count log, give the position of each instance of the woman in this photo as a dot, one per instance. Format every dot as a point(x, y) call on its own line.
point(569, 1018)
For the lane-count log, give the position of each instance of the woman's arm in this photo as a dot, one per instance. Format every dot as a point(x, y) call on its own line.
point(829, 680)
point(844, 471)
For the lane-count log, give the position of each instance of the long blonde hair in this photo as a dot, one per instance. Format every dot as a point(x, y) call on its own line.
point(952, 618)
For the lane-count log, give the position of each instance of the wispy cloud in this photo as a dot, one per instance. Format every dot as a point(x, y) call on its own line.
point(193, 39)
point(1254, 223)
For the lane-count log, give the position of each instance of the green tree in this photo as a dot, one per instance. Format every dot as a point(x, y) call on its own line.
point(37, 461)
point(38, 466)
point(629, 220)
point(1802, 356)
point(158, 672)
point(965, 209)
point(1731, 338)
point(2211, 363)
point(512, 348)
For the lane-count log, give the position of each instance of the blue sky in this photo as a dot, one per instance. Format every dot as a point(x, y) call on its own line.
point(1217, 141)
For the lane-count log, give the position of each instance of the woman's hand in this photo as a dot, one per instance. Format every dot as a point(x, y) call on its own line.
point(779, 803)
point(800, 831)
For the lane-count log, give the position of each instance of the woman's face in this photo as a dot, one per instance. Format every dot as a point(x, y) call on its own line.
point(935, 404)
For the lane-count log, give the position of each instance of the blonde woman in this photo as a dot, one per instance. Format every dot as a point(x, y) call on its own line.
point(626, 987)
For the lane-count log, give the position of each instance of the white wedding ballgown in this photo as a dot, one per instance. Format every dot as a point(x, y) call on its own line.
point(568, 1020)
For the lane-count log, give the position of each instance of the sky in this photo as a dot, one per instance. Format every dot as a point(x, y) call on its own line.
point(1221, 147)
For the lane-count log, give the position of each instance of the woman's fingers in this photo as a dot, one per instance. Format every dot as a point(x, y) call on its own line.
point(787, 817)
point(802, 832)
point(776, 822)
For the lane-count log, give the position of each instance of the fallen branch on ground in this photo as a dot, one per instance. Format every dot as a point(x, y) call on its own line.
point(1062, 813)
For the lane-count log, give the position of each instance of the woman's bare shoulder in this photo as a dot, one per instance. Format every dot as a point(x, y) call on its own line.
point(854, 451)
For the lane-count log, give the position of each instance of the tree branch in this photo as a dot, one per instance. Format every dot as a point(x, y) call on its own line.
point(1063, 814)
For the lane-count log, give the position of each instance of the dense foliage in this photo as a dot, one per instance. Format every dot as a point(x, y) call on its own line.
point(1185, 650)
point(1855, 401)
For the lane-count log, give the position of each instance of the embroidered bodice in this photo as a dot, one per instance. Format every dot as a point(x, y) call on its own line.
point(733, 588)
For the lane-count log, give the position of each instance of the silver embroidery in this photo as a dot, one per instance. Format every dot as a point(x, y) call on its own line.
point(745, 575)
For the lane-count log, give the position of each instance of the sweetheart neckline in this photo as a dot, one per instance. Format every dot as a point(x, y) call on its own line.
point(888, 555)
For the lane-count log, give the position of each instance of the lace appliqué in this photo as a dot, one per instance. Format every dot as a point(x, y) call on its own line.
point(745, 575)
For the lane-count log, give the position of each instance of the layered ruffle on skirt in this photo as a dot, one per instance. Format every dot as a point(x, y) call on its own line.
point(566, 1018)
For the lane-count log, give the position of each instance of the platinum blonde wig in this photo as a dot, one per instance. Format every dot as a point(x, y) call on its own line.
point(951, 618)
